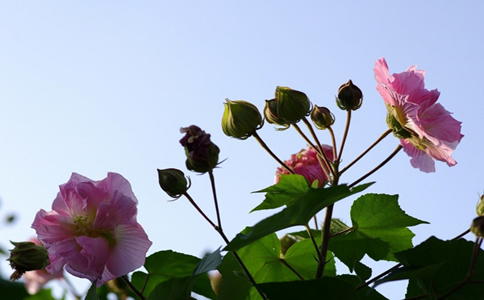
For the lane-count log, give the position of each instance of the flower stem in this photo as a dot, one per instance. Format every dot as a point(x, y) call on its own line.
point(133, 288)
point(345, 135)
point(399, 147)
point(385, 134)
point(333, 141)
point(314, 242)
point(212, 181)
point(325, 241)
point(315, 137)
point(261, 142)
point(224, 237)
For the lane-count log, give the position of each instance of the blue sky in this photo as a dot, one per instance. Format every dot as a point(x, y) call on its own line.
point(95, 87)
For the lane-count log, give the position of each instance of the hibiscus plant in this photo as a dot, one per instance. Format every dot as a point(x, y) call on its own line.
point(92, 231)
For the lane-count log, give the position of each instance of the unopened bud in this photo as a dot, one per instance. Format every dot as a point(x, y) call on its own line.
point(477, 226)
point(202, 154)
point(349, 97)
point(27, 256)
point(292, 105)
point(322, 117)
point(241, 119)
point(480, 206)
point(270, 113)
point(173, 182)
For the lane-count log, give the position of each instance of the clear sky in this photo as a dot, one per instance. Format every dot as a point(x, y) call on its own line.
point(104, 86)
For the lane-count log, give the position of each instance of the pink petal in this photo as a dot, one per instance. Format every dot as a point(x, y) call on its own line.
point(130, 250)
point(116, 182)
point(419, 159)
point(52, 227)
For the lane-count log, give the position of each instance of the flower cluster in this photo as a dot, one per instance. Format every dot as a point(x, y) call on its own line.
point(426, 130)
point(92, 229)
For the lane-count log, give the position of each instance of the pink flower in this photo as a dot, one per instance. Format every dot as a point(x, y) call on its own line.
point(92, 229)
point(426, 130)
point(306, 163)
point(35, 280)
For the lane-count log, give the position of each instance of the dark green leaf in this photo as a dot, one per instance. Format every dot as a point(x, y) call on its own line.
point(303, 258)
point(379, 230)
point(325, 288)
point(299, 213)
point(412, 272)
point(91, 293)
point(173, 289)
point(366, 293)
point(303, 234)
point(362, 271)
point(208, 263)
point(286, 191)
point(12, 290)
point(452, 259)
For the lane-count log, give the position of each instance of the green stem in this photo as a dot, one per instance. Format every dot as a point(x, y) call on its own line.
point(261, 142)
point(333, 141)
point(133, 288)
point(314, 242)
point(325, 241)
point(385, 134)
point(212, 182)
point(399, 147)
point(324, 164)
point(345, 135)
point(315, 137)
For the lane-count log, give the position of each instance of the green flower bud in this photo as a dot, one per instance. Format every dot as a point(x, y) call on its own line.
point(477, 226)
point(292, 105)
point(27, 256)
point(173, 182)
point(480, 206)
point(349, 97)
point(398, 130)
point(286, 242)
point(270, 113)
point(241, 119)
point(322, 117)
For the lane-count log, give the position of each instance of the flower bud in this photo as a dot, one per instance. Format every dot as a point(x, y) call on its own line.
point(322, 117)
point(241, 119)
point(286, 242)
point(27, 256)
point(270, 113)
point(480, 206)
point(292, 105)
point(173, 182)
point(202, 154)
point(349, 97)
point(477, 226)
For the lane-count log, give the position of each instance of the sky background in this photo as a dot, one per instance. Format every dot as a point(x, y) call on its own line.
point(104, 86)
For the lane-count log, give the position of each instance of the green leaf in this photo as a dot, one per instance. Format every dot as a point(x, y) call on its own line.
point(443, 265)
point(325, 288)
point(362, 271)
point(366, 293)
point(379, 230)
point(166, 266)
point(262, 259)
point(285, 192)
point(91, 293)
point(299, 213)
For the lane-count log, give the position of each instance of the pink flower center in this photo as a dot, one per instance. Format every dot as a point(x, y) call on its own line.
point(83, 225)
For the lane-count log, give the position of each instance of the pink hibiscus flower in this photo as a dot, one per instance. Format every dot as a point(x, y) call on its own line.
point(35, 280)
point(426, 130)
point(92, 229)
point(306, 163)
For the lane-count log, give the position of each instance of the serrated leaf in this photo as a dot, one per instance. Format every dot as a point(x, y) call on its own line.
point(452, 259)
point(299, 213)
point(303, 258)
point(379, 230)
point(289, 188)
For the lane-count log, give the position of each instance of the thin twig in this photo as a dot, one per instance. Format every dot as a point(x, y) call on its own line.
point(284, 262)
point(133, 288)
point(385, 134)
point(214, 191)
point(345, 135)
point(325, 241)
point(264, 145)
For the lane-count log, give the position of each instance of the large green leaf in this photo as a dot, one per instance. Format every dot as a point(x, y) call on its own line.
point(172, 274)
point(263, 260)
point(439, 266)
point(379, 230)
point(299, 213)
point(289, 188)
